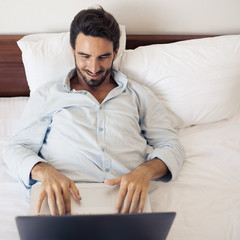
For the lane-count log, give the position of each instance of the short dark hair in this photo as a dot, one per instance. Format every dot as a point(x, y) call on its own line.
point(95, 22)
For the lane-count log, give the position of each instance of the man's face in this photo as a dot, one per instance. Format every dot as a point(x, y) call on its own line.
point(94, 57)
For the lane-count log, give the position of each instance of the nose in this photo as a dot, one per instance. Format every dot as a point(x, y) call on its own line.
point(94, 66)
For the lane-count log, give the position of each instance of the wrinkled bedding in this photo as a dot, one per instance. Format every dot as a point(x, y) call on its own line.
point(206, 194)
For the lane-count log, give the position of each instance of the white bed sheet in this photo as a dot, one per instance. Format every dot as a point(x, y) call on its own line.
point(13, 197)
point(205, 195)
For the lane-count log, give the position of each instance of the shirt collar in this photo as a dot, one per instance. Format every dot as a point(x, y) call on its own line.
point(120, 79)
point(66, 82)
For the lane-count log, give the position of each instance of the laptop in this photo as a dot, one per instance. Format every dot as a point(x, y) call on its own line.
point(93, 218)
point(97, 198)
point(144, 226)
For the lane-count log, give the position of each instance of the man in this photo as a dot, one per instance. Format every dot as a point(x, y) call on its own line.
point(95, 127)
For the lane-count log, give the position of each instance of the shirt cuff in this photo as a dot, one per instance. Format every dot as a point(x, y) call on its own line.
point(169, 159)
point(25, 170)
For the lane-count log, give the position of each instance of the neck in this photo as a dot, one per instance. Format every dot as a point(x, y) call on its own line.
point(99, 92)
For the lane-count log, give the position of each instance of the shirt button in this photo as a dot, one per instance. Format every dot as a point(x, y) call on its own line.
point(100, 107)
point(84, 92)
point(100, 129)
point(102, 149)
point(107, 169)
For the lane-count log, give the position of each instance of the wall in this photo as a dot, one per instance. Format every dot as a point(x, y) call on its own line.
point(139, 16)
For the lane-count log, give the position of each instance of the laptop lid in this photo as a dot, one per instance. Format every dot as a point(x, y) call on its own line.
point(145, 226)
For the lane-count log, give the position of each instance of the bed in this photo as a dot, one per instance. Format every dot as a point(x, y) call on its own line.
point(197, 78)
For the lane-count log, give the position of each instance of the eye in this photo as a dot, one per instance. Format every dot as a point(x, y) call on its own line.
point(85, 56)
point(103, 57)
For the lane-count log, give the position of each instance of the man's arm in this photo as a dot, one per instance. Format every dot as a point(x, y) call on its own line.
point(166, 156)
point(23, 162)
point(21, 152)
point(134, 185)
point(56, 187)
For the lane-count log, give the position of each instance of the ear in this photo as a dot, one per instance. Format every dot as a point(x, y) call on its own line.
point(73, 50)
point(115, 53)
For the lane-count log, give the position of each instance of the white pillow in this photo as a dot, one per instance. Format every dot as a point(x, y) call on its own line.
point(48, 57)
point(198, 81)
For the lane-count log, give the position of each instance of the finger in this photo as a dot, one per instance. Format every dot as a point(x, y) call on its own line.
point(111, 182)
point(60, 202)
point(67, 200)
point(40, 201)
point(135, 201)
point(142, 200)
point(74, 190)
point(120, 199)
point(127, 201)
point(51, 203)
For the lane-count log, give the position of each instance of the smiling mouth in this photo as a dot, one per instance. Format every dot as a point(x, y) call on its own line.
point(94, 75)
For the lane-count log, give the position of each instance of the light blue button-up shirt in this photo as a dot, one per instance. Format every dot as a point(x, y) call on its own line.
point(88, 141)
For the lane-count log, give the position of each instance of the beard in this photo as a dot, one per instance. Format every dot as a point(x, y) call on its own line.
point(93, 82)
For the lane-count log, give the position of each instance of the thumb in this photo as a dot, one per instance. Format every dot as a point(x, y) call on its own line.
point(111, 182)
point(74, 191)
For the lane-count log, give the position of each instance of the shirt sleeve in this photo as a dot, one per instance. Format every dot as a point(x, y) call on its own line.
point(157, 128)
point(21, 152)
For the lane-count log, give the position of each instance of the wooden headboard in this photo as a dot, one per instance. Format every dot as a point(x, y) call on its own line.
point(12, 75)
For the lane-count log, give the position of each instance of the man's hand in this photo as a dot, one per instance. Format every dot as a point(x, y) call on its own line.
point(56, 187)
point(134, 185)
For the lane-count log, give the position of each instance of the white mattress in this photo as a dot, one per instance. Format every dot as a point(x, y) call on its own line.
point(206, 195)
